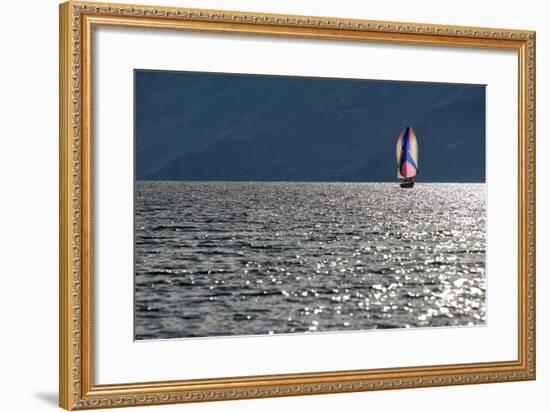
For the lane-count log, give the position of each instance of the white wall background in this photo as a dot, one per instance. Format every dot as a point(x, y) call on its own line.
point(29, 193)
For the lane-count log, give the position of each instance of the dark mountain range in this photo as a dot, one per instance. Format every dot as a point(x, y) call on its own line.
point(199, 126)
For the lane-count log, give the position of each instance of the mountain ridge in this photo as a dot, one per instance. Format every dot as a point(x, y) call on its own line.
point(287, 129)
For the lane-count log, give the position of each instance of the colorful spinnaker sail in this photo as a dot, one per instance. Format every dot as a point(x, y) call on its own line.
point(407, 154)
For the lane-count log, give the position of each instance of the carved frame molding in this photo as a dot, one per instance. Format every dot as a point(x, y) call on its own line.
point(77, 21)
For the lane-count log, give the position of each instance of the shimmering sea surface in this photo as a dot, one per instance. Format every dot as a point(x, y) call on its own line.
point(254, 258)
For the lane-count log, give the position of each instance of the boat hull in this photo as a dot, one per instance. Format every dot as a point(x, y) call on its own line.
point(407, 185)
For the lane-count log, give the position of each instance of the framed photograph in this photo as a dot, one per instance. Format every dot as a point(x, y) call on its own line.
point(259, 205)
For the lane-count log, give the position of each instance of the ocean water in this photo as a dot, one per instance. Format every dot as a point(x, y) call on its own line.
point(254, 258)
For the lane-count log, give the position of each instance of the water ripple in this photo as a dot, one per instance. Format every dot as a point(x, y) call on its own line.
point(222, 258)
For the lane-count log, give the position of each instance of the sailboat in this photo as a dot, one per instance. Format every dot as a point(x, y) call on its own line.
point(407, 157)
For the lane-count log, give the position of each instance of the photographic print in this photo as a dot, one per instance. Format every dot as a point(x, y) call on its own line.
point(283, 204)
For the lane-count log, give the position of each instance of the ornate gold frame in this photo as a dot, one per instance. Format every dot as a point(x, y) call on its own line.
point(76, 386)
